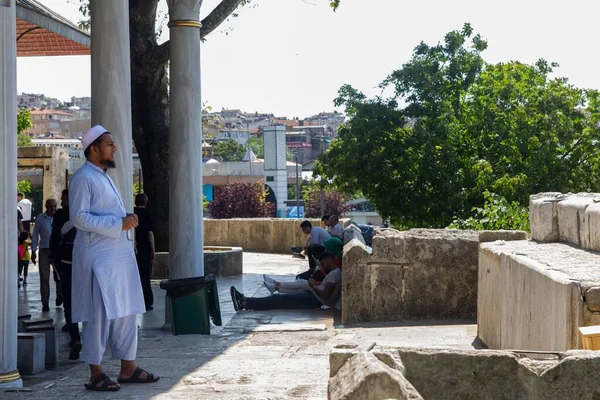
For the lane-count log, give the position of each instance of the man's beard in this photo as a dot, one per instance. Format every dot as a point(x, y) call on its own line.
point(111, 164)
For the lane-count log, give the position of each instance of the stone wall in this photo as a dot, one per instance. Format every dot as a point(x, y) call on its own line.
point(261, 235)
point(449, 374)
point(415, 274)
point(535, 294)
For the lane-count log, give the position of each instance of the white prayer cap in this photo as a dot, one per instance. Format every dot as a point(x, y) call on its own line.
point(91, 135)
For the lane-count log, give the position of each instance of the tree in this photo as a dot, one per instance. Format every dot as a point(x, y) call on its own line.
point(241, 200)
point(335, 202)
point(24, 140)
point(24, 120)
point(463, 127)
point(229, 150)
point(257, 145)
point(150, 98)
point(24, 187)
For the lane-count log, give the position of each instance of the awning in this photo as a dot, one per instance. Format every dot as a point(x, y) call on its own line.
point(42, 32)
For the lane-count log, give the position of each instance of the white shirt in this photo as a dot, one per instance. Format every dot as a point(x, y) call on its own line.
point(335, 278)
point(336, 231)
point(319, 235)
point(43, 230)
point(25, 207)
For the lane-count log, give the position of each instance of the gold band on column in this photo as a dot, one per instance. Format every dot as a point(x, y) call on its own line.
point(189, 23)
point(10, 377)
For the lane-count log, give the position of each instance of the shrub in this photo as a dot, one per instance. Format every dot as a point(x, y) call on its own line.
point(241, 200)
point(496, 213)
point(334, 202)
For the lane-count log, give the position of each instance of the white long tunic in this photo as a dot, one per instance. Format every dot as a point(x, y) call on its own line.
point(102, 250)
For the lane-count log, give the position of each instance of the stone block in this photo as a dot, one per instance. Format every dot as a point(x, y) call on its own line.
point(343, 352)
point(440, 278)
point(572, 225)
point(364, 377)
point(51, 335)
point(387, 297)
point(31, 353)
point(592, 225)
point(492, 236)
point(528, 299)
point(25, 323)
point(356, 283)
point(592, 299)
point(242, 235)
point(452, 374)
point(388, 246)
point(227, 262)
point(353, 232)
point(543, 216)
point(216, 232)
point(572, 378)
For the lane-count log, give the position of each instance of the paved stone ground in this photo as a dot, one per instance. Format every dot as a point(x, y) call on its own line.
point(254, 355)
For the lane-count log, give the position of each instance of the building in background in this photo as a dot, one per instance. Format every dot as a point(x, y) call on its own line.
point(83, 103)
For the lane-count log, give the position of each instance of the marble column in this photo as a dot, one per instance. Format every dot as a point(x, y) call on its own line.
point(111, 85)
point(186, 257)
point(9, 376)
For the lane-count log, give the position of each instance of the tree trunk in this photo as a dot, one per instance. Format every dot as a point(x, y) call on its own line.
point(150, 115)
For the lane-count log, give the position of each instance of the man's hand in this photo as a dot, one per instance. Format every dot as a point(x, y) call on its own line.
point(152, 255)
point(312, 283)
point(130, 221)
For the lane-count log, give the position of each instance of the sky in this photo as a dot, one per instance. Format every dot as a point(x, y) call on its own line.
point(290, 57)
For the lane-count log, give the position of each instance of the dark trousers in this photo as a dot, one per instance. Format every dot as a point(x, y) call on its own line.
point(66, 275)
point(23, 268)
point(292, 301)
point(313, 251)
point(145, 269)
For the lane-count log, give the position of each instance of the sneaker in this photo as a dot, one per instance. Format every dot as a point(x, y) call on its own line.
point(270, 287)
point(75, 350)
point(59, 301)
point(24, 282)
point(20, 279)
point(267, 279)
point(45, 307)
point(237, 299)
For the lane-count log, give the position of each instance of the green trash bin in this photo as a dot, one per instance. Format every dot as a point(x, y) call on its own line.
point(193, 302)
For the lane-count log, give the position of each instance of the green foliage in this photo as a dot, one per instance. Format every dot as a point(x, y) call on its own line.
point(229, 150)
point(24, 140)
point(24, 187)
point(464, 127)
point(257, 145)
point(24, 120)
point(496, 213)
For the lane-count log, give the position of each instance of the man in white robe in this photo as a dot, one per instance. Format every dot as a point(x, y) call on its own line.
point(106, 289)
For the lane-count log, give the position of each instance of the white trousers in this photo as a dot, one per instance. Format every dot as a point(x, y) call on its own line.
point(120, 333)
point(296, 286)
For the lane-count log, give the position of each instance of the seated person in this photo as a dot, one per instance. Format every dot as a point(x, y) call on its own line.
point(318, 236)
point(332, 245)
point(335, 228)
point(325, 293)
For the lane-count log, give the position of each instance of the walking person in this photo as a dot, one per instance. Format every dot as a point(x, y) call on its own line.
point(144, 239)
point(106, 286)
point(26, 207)
point(41, 239)
point(61, 246)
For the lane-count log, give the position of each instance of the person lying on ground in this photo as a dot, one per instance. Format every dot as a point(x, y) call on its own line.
point(325, 293)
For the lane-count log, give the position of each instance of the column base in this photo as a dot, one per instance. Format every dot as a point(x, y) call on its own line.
point(10, 380)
